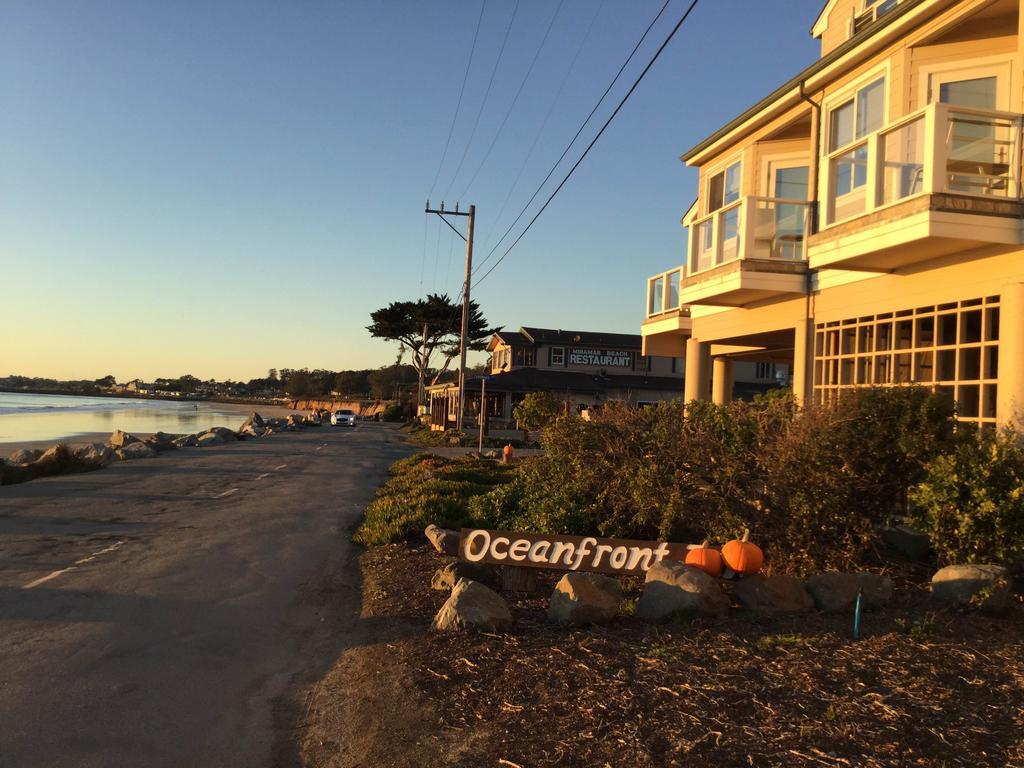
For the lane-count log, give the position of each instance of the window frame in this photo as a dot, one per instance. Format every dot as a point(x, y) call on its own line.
point(828, 154)
point(722, 168)
point(560, 351)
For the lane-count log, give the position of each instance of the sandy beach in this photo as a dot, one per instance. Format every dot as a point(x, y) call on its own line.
point(237, 413)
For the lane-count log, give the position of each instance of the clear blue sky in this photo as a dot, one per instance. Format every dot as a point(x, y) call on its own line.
point(224, 187)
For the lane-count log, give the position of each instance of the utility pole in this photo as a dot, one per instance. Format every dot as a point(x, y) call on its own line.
point(471, 214)
point(419, 391)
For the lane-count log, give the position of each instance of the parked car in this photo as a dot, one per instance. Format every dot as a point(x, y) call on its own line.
point(343, 418)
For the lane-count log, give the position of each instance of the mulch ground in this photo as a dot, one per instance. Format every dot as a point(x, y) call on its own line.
point(923, 687)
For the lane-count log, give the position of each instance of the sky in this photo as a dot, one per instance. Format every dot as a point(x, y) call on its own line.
point(219, 188)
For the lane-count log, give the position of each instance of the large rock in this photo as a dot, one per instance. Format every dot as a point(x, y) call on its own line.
point(986, 587)
point(53, 454)
point(672, 587)
point(907, 541)
point(254, 420)
point(773, 594)
point(210, 438)
point(471, 605)
point(24, 457)
point(186, 441)
point(836, 591)
point(585, 598)
point(447, 576)
point(160, 442)
point(444, 540)
point(120, 439)
point(136, 451)
point(224, 432)
point(95, 454)
point(295, 420)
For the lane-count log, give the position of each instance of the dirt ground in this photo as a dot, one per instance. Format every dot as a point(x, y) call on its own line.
point(923, 687)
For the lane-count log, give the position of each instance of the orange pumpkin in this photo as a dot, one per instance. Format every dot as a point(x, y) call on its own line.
point(742, 556)
point(708, 560)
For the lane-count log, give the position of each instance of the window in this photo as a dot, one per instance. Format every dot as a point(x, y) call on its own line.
point(951, 348)
point(848, 126)
point(872, 10)
point(724, 188)
point(557, 355)
point(765, 372)
point(859, 116)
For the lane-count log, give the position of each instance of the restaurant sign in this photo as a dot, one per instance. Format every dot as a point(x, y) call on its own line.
point(565, 553)
point(607, 358)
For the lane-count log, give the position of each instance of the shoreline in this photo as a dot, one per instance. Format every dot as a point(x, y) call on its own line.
point(241, 410)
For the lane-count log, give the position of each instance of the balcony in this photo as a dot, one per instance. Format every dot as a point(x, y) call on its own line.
point(668, 321)
point(940, 180)
point(751, 250)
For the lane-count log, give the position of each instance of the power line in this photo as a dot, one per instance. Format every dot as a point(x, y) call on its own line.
point(483, 103)
point(458, 105)
point(576, 136)
point(547, 116)
point(590, 146)
point(515, 98)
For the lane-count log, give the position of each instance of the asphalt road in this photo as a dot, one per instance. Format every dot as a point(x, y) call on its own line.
point(165, 612)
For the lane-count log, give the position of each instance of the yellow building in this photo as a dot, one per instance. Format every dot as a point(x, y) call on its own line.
point(864, 220)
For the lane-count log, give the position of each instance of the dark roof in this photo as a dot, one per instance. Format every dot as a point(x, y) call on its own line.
point(551, 336)
point(512, 337)
point(536, 380)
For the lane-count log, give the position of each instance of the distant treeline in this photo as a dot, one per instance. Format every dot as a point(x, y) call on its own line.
point(385, 383)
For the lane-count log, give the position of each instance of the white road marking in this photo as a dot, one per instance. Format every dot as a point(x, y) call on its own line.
point(226, 493)
point(280, 466)
point(265, 474)
point(73, 566)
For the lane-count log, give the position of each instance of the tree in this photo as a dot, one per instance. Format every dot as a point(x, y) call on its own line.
point(299, 383)
point(430, 325)
point(106, 381)
point(538, 410)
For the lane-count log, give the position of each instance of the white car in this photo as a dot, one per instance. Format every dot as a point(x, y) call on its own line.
point(343, 418)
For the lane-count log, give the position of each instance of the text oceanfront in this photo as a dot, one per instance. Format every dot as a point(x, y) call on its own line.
point(567, 553)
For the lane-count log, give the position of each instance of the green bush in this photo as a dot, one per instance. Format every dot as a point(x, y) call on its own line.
point(393, 412)
point(537, 410)
point(426, 489)
point(812, 486)
point(971, 502)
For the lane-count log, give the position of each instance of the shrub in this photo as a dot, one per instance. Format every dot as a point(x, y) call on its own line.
point(426, 489)
point(971, 501)
point(393, 412)
point(538, 410)
point(812, 487)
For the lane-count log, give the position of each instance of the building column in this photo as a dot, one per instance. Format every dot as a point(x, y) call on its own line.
point(803, 363)
point(721, 380)
point(1010, 386)
point(698, 369)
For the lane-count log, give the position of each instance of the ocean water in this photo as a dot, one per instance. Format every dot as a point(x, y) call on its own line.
point(49, 417)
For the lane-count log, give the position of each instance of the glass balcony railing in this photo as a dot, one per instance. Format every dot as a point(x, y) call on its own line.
point(763, 228)
point(938, 149)
point(663, 292)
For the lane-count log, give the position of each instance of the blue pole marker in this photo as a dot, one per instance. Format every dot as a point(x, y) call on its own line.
point(856, 615)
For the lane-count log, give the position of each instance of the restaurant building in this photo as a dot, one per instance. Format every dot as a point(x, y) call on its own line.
point(864, 219)
point(584, 368)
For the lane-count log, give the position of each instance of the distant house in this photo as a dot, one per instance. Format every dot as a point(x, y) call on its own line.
point(586, 368)
point(139, 387)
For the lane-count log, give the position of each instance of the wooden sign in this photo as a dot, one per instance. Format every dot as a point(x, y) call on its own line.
point(565, 553)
